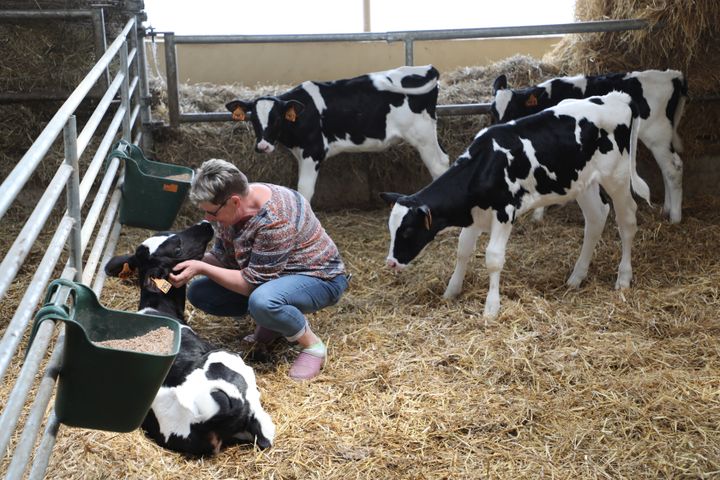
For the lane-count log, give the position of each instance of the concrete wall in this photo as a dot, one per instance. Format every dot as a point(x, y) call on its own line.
point(292, 63)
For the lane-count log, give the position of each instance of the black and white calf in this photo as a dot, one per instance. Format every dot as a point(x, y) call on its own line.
point(317, 120)
point(659, 95)
point(559, 154)
point(209, 398)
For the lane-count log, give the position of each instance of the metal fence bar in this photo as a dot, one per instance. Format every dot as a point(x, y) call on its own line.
point(98, 19)
point(22, 453)
point(463, 33)
point(44, 450)
point(408, 37)
point(108, 253)
point(66, 176)
point(171, 74)
point(19, 176)
point(16, 401)
point(18, 324)
point(73, 195)
point(144, 91)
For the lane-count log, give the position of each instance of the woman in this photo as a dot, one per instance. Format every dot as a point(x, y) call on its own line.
point(271, 259)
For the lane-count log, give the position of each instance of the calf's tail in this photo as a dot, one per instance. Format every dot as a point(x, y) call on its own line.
point(681, 90)
point(636, 182)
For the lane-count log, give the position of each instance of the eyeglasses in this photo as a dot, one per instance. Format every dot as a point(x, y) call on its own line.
point(217, 210)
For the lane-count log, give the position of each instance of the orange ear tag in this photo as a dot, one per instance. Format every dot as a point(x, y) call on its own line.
point(531, 101)
point(238, 114)
point(291, 115)
point(126, 272)
point(162, 284)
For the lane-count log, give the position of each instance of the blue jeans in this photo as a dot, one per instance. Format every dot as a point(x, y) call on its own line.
point(278, 305)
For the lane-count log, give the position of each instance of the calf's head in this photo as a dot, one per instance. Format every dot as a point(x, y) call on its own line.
point(209, 398)
point(155, 258)
point(269, 117)
point(511, 104)
point(411, 228)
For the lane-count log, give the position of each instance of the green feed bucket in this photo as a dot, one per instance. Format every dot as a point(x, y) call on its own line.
point(103, 387)
point(152, 192)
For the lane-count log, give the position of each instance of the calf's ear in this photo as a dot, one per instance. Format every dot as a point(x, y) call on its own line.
point(241, 111)
point(500, 83)
point(428, 215)
point(293, 108)
point(390, 197)
point(122, 266)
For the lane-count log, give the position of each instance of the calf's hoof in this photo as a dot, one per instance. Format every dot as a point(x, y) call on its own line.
point(451, 293)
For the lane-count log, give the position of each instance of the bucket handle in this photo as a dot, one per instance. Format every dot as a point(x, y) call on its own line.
point(122, 150)
point(50, 311)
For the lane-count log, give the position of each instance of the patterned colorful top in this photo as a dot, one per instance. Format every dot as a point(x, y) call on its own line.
point(283, 238)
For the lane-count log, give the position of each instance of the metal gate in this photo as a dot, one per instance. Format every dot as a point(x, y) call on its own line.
point(126, 91)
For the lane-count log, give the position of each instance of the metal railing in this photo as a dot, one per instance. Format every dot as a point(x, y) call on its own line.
point(128, 91)
point(408, 37)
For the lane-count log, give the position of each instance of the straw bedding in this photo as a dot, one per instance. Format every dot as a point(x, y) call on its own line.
point(588, 383)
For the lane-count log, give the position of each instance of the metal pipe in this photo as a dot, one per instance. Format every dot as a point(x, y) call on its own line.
point(98, 19)
point(409, 54)
point(172, 80)
point(102, 235)
point(109, 251)
point(44, 450)
point(16, 400)
point(463, 109)
point(22, 453)
point(531, 30)
point(18, 324)
point(14, 330)
point(144, 92)
point(73, 195)
point(39, 14)
point(32, 228)
point(17, 178)
point(125, 91)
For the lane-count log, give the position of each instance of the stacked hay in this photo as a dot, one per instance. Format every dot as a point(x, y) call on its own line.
point(681, 36)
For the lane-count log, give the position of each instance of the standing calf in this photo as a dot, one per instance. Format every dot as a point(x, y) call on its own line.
point(317, 120)
point(551, 157)
point(209, 397)
point(659, 95)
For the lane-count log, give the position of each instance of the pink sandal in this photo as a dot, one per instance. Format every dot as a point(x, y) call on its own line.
point(306, 366)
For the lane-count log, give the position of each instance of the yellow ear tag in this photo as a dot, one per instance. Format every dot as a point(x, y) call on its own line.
point(162, 284)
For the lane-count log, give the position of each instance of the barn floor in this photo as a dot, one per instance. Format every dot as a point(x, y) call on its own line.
point(588, 383)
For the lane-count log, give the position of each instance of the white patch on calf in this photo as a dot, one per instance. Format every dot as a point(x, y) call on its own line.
point(502, 99)
point(316, 96)
point(153, 243)
point(396, 217)
point(391, 80)
point(178, 408)
point(262, 110)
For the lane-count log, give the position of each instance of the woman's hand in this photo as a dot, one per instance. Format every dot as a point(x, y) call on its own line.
point(185, 271)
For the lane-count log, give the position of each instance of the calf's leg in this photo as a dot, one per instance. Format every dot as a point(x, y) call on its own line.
point(494, 261)
point(307, 176)
point(423, 136)
point(595, 213)
point(625, 215)
point(671, 167)
point(466, 247)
